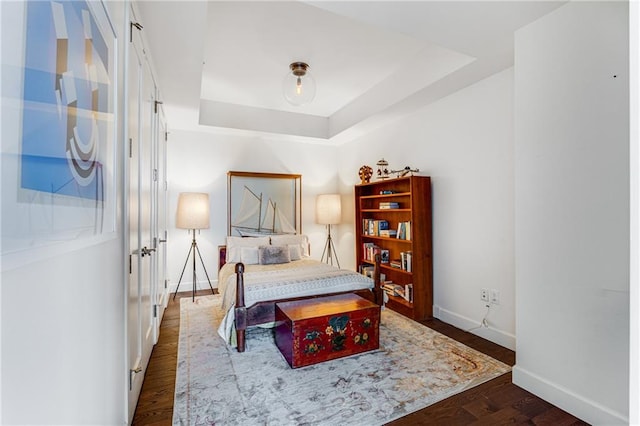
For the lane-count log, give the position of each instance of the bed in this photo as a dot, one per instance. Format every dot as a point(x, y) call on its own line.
point(252, 279)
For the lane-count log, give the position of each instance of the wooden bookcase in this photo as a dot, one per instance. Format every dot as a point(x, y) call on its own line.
point(413, 197)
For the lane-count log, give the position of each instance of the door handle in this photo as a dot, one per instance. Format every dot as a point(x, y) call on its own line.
point(147, 251)
point(162, 241)
point(144, 251)
point(132, 373)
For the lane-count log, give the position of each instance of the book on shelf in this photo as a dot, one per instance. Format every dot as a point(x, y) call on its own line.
point(408, 292)
point(388, 205)
point(389, 233)
point(406, 258)
point(388, 286)
point(404, 230)
point(386, 192)
point(384, 256)
point(396, 290)
point(367, 270)
point(395, 263)
point(366, 247)
point(369, 251)
point(373, 227)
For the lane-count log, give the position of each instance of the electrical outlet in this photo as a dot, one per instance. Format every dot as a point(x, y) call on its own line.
point(484, 294)
point(495, 296)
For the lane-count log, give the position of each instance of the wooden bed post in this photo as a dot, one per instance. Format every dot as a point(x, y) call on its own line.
point(240, 310)
point(377, 289)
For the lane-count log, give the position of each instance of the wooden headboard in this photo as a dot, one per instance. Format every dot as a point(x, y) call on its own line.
point(222, 256)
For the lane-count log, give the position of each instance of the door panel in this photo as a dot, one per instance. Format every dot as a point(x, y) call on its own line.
point(140, 103)
point(147, 274)
point(161, 231)
point(134, 320)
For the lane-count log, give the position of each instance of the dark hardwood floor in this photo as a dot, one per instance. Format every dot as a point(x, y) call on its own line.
point(496, 402)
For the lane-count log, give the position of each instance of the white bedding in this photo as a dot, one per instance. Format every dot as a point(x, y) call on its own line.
point(300, 278)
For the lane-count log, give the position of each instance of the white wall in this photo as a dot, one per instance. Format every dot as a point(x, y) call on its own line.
point(63, 340)
point(634, 305)
point(62, 306)
point(465, 143)
point(572, 209)
point(199, 161)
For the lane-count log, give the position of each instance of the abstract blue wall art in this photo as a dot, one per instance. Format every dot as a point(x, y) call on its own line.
point(67, 110)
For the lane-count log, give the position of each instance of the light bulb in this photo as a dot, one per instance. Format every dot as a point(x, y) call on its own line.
point(298, 86)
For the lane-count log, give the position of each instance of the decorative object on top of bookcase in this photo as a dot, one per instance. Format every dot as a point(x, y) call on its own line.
point(365, 174)
point(394, 217)
point(383, 171)
point(405, 171)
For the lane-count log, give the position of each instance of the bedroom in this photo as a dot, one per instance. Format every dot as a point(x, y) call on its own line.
point(466, 140)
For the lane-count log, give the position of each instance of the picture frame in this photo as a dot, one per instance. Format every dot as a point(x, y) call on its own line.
point(263, 203)
point(60, 142)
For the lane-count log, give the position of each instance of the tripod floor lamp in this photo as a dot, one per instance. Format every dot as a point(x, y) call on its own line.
point(193, 213)
point(329, 212)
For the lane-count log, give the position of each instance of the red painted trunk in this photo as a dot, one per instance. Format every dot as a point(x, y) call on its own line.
point(315, 330)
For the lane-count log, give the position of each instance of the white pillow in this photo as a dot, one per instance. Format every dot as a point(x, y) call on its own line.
point(295, 252)
point(249, 255)
point(287, 239)
point(234, 244)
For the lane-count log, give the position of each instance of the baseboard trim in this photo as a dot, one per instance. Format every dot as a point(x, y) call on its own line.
point(492, 334)
point(583, 408)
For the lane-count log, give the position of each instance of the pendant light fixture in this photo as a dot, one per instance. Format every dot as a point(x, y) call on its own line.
point(299, 87)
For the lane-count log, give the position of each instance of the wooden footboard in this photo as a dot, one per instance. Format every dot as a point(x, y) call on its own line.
point(264, 312)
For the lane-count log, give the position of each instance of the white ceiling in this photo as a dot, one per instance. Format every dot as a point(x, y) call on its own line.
point(220, 64)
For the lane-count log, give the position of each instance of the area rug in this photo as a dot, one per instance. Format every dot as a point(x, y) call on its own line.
point(414, 367)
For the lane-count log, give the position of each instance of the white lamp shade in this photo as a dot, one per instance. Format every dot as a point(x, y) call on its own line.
point(193, 210)
point(328, 209)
